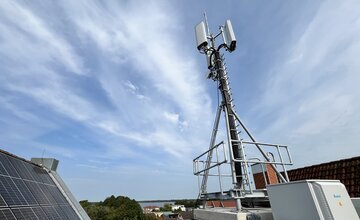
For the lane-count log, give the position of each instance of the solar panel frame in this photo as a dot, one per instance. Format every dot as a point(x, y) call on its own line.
point(70, 213)
point(28, 192)
point(24, 190)
point(57, 195)
point(49, 196)
point(39, 212)
point(43, 175)
point(2, 202)
point(10, 192)
point(24, 213)
point(8, 166)
point(7, 214)
point(37, 192)
point(21, 168)
point(3, 170)
point(51, 213)
point(61, 212)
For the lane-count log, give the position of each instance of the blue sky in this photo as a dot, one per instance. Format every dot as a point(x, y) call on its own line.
point(116, 90)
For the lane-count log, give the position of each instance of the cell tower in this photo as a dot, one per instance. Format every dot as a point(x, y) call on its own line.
point(269, 156)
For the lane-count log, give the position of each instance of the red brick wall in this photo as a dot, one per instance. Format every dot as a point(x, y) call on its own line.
point(217, 203)
point(270, 175)
point(259, 181)
point(347, 171)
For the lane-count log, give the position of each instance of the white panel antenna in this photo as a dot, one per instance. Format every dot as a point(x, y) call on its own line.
point(201, 36)
point(230, 39)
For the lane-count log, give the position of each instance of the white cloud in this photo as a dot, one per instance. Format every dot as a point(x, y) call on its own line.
point(131, 86)
point(313, 91)
point(154, 54)
point(172, 117)
point(119, 41)
point(39, 40)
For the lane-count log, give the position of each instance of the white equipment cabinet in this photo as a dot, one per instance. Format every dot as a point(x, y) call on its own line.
point(311, 200)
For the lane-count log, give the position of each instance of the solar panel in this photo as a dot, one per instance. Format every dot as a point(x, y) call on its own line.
point(20, 168)
point(3, 170)
point(24, 213)
point(2, 202)
point(37, 193)
point(69, 212)
point(51, 213)
point(6, 214)
point(10, 169)
point(39, 213)
point(25, 192)
point(10, 192)
point(28, 192)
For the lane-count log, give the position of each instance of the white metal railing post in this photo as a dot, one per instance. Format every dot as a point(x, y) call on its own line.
point(283, 166)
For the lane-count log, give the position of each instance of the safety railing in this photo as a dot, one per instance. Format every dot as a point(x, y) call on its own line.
point(201, 167)
point(277, 156)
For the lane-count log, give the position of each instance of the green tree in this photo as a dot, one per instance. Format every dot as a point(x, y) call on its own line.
point(166, 208)
point(84, 203)
point(114, 208)
point(177, 210)
point(150, 216)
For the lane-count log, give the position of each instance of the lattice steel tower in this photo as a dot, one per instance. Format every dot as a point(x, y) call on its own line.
point(234, 155)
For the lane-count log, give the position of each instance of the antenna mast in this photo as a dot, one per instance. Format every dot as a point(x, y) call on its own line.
point(243, 189)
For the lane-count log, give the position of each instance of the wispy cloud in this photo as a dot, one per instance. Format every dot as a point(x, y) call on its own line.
point(119, 77)
point(312, 92)
point(163, 66)
point(113, 87)
point(31, 38)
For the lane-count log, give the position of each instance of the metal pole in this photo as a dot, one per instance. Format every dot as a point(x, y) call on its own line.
point(282, 162)
point(232, 162)
point(231, 119)
point(245, 164)
point(219, 171)
point(209, 156)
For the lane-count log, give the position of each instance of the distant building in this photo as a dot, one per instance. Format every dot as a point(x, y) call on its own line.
point(170, 215)
point(148, 209)
point(178, 207)
point(158, 214)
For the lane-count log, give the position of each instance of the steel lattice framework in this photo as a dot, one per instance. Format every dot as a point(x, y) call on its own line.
point(234, 154)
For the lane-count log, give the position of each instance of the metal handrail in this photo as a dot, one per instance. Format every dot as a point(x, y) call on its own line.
point(262, 162)
point(215, 146)
point(290, 162)
point(201, 170)
point(210, 167)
